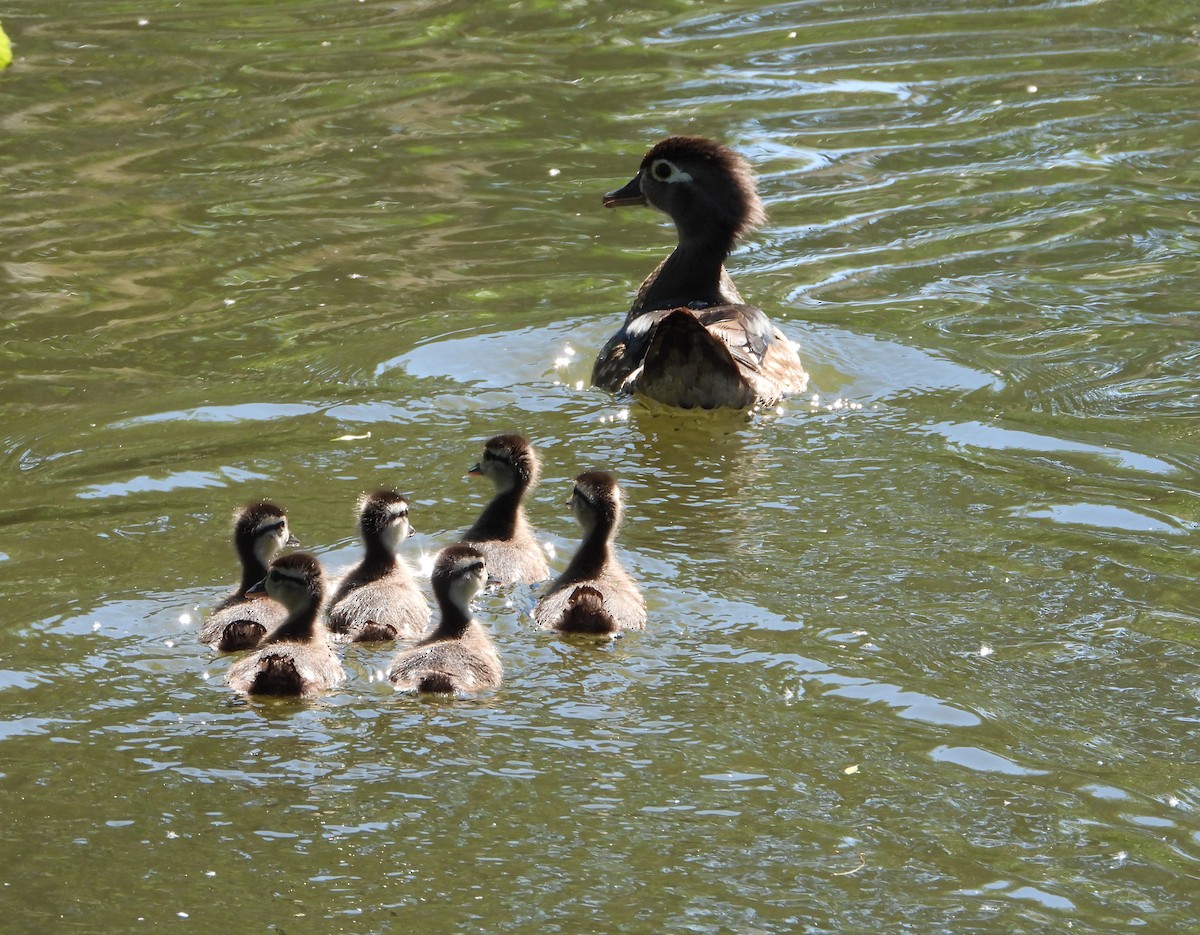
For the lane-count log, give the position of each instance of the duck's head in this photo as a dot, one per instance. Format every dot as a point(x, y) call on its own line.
point(705, 187)
point(508, 461)
point(459, 573)
point(295, 580)
point(596, 499)
point(261, 529)
point(383, 519)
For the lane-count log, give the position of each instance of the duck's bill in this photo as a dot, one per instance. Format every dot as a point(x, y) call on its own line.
point(629, 194)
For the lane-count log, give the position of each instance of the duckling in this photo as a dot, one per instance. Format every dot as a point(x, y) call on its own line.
point(379, 599)
point(501, 532)
point(295, 658)
point(689, 339)
point(458, 656)
point(595, 594)
point(241, 619)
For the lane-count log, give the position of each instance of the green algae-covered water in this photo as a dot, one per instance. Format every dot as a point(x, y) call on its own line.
point(922, 650)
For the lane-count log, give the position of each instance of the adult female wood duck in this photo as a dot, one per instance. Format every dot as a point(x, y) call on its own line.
point(689, 339)
point(378, 599)
point(459, 655)
point(295, 658)
point(595, 595)
point(243, 618)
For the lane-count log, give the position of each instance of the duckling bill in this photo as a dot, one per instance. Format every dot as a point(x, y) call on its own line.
point(690, 340)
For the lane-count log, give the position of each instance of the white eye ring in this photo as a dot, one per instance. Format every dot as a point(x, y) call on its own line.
point(664, 170)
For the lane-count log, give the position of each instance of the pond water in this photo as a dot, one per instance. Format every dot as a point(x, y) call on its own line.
point(922, 651)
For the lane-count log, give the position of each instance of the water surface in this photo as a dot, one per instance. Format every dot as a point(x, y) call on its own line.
point(922, 648)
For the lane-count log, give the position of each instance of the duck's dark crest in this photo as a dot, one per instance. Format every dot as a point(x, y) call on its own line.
point(734, 191)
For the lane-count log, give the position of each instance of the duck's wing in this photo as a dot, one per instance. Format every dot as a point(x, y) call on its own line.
point(768, 361)
point(744, 329)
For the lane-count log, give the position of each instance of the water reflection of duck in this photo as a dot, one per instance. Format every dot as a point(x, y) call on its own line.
point(689, 339)
point(295, 658)
point(501, 533)
point(594, 594)
point(379, 599)
point(239, 621)
point(458, 656)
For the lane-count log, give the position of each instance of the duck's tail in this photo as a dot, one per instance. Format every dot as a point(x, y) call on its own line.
point(436, 683)
point(277, 675)
point(585, 613)
point(241, 634)
point(374, 632)
point(687, 366)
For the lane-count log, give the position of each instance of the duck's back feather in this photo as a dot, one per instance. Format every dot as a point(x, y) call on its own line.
point(722, 355)
point(287, 669)
point(608, 603)
point(465, 664)
point(367, 612)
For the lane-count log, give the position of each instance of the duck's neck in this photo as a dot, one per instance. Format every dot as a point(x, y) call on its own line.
point(300, 625)
point(454, 619)
point(501, 518)
point(694, 273)
point(378, 562)
point(254, 569)
point(592, 555)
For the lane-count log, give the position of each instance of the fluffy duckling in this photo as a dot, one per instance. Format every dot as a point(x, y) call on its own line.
point(689, 339)
point(260, 530)
point(295, 658)
point(458, 656)
point(501, 532)
point(379, 599)
point(595, 594)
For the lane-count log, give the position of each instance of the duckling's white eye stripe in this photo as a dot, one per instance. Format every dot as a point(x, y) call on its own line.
point(666, 171)
point(269, 525)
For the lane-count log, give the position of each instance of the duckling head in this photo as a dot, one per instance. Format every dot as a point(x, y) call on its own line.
point(383, 518)
point(295, 580)
point(596, 500)
point(261, 529)
point(508, 461)
point(459, 573)
point(705, 187)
